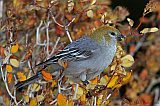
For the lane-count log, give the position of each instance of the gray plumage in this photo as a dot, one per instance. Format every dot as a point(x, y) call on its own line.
point(87, 57)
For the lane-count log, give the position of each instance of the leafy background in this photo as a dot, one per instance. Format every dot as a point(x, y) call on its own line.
point(34, 30)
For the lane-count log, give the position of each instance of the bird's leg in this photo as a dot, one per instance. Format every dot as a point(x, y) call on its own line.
point(85, 82)
point(76, 90)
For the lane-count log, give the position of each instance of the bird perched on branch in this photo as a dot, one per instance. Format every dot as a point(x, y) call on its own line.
point(87, 57)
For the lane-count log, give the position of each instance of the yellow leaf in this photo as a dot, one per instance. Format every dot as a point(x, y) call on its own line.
point(14, 48)
point(106, 103)
point(146, 30)
point(113, 67)
point(112, 82)
point(79, 92)
point(54, 82)
point(26, 98)
point(61, 100)
point(70, 5)
point(47, 76)
point(131, 22)
point(93, 2)
point(21, 76)
point(36, 87)
point(103, 81)
point(127, 61)
point(33, 102)
point(9, 77)
point(14, 62)
point(40, 98)
point(99, 100)
point(127, 77)
point(8, 68)
point(90, 13)
point(117, 86)
point(16, 3)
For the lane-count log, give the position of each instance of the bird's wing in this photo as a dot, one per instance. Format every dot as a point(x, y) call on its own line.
point(80, 49)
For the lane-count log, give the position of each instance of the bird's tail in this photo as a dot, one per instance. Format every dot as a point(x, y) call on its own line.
point(34, 78)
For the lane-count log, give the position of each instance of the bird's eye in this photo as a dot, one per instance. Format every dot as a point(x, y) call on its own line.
point(113, 34)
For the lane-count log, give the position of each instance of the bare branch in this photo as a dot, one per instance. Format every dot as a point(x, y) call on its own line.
point(68, 34)
point(4, 78)
point(38, 38)
point(53, 50)
point(47, 34)
point(64, 26)
point(139, 44)
point(1, 8)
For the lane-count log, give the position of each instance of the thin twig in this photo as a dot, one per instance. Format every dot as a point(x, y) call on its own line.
point(64, 26)
point(47, 34)
point(68, 34)
point(27, 39)
point(76, 90)
point(139, 44)
point(4, 78)
point(95, 101)
point(38, 38)
point(151, 84)
point(53, 50)
point(71, 22)
point(1, 8)
point(55, 20)
point(54, 101)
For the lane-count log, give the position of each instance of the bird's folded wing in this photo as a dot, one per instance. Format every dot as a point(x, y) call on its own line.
point(80, 49)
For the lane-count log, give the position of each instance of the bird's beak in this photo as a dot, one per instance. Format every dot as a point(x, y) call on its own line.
point(121, 37)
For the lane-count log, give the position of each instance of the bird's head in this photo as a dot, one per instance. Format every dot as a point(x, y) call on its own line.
point(108, 33)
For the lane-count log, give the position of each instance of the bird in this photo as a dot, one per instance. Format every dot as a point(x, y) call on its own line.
point(86, 57)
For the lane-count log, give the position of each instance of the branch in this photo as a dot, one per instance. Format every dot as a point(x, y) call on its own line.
point(64, 26)
point(1, 8)
point(38, 38)
point(47, 34)
point(53, 50)
point(4, 78)
point(139, 44)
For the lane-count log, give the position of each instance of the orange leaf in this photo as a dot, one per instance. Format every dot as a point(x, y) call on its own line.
point(59, 30)
point(21, 76)
point(94, 81)
point(70, 103)
point(33, 102)
point(146, 99)
point(8, 68)
point(61, 100)
point(132, 48)
point(47, 76)
point(14, 48)
point(9, 77)
point(83, 99)
point(144, 74)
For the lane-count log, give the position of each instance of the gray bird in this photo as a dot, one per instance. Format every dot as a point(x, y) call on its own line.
point(87, 57)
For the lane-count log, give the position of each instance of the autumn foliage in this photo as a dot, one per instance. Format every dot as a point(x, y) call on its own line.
point(32, 31)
